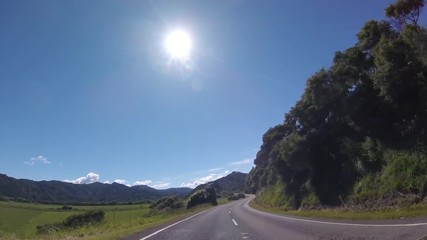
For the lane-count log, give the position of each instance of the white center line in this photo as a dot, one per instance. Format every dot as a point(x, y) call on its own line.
point(235, 223)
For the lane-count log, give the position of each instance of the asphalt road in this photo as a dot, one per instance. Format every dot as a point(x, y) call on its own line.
point(239, 221)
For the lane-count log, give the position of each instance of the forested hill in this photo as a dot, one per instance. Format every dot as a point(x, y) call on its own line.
point(359, 130)
point(232, 183)
point(62, 192)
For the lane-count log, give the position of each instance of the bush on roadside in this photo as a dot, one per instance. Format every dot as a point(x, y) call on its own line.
point(164, 205)
point(206, 195)
point(404, 175)
point(73, 222)
point(167, 203)
point(236, 196)
point(67, 208)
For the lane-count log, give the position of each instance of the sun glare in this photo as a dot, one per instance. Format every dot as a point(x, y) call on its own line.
point(178, 44)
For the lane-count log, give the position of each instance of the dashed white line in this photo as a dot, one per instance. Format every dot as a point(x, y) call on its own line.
point(161, 230)
point(235, 223)
point(245, 235)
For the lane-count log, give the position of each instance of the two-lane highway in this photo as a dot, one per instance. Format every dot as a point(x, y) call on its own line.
point(239, 221)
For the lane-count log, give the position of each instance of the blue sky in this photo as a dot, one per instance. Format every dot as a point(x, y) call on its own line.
point(88, 93)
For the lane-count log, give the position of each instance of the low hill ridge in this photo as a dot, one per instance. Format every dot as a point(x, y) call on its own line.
point(63, 192)
point(232, 183)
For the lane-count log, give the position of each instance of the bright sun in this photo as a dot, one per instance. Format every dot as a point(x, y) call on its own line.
point(178, 44)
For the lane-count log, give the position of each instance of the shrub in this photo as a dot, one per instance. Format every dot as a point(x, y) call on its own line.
point(273, 196)
point(406, 172)
point(236, 196)
point(87, 218)
point(167, 203)
point(73, 222)
point(206, 195)
point(241, 195)
point(67, 208)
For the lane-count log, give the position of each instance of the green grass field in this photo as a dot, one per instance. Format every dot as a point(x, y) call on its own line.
point(19, 220)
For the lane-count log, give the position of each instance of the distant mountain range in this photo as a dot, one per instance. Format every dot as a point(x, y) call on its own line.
point(232, 183)
point(67, 193)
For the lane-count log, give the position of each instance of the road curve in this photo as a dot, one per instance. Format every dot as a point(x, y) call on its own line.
point(239, 221)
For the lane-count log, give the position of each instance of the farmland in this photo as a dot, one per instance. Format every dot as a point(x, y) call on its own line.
point(19, 220)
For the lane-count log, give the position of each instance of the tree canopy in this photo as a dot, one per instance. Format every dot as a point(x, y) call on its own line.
point(405, 11)
point(357, 120)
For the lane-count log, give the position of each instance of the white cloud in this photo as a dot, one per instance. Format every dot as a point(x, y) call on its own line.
point(209, 170)
point(214, 169)
point(160, 185)
point(123, 182)
point(35, 160)
point(156, 185)
point(188, 185)
point(143, 182)
point(243, 162)
point(90, 178)
point(106, 182)
point(211, 177)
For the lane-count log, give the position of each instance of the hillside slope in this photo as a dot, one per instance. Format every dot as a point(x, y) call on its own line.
point(232, 183)
point(359, 131)
point(62, 192)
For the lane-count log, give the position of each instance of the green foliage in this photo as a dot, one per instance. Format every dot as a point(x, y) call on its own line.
point(236, 196)
point(273, 196)
point(371, 157)
point(359, 131)
point(79, 220)
point(19, 220)
point(310, 201)
point(166, 204)
point(369, 187)
point(265, 172)
point(206, 195)
point(418, 210)
point(372, 32)
point(73, 222)
point(67, 208)
point(406, 172)
point(405, 11)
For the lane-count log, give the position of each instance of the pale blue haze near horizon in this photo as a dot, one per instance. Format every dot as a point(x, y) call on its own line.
point(86, 86)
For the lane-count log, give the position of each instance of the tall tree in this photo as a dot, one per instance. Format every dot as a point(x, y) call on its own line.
point(405, 11)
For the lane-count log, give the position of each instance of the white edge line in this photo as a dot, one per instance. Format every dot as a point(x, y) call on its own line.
point(339, 224)
point(161, 230)
point(235, 223)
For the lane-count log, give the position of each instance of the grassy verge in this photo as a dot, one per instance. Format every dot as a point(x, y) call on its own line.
point(413, 211)
point(19, 220)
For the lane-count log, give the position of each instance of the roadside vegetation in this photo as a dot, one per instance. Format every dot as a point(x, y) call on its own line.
point(202, 196)
point(357, 138)
point(41, 221)
point(236, 196)
point(341, 213)
point(25, 220)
